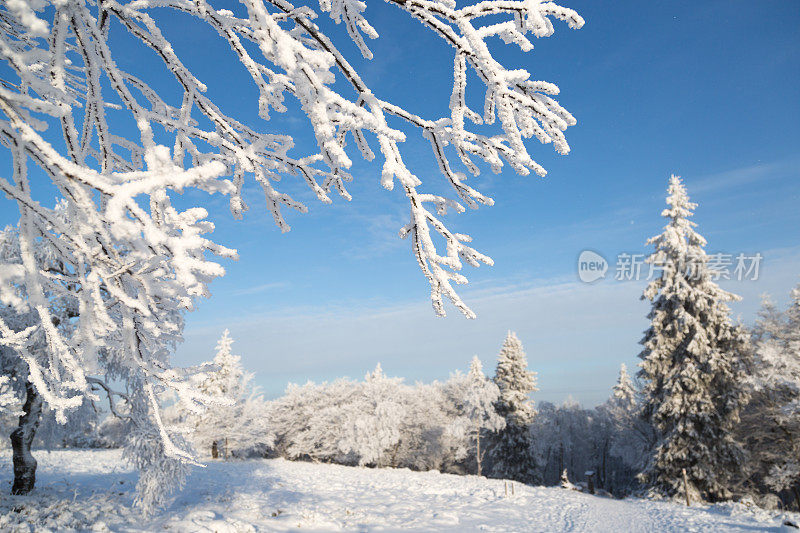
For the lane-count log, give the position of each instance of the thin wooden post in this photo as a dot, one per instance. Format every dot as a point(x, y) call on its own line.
point(512, 488)
point(686, 487)
point(505, 484)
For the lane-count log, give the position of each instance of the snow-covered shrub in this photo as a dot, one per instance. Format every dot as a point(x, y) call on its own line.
point(770, 425)
point(384, 422)
point(473, 397)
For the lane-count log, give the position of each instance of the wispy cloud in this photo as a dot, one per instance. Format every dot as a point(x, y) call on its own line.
point(576, 335)
point(262, 288)
point(739, 177)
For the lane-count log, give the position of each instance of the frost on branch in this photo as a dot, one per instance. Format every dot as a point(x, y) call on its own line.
point(117, 150)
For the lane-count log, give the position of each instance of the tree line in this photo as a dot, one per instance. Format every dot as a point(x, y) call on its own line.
point(713, 412)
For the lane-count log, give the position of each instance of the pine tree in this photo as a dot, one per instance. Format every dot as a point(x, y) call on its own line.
point(632, 438)
point(771, 422)
point(236, 421)
point(512, 454)
point(623, 394)
point(691, 365)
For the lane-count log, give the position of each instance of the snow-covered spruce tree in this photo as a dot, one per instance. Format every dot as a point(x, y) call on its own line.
point(623, 393)
point(116, 149)
point(632, 438)
point(692, 363)
point(237, 423)
point(771, 421)
point(512, 454)
point(474, 397)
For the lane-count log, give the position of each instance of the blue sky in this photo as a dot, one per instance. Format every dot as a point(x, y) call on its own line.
point(708, 90)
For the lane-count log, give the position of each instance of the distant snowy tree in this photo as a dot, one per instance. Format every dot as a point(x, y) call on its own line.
point(512, 453)
point(237, 421)
point(374, 423)
point(475, 397)
point(771, 421)
point(309, 421)
point(569, 437)
point(632, 439)
point(380, 421)
point(117, 149)
point(557, 431)
point(692, 363)
point(434, 435)
point(623, 394)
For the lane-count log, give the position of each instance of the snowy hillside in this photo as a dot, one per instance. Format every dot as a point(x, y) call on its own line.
point(92, 490)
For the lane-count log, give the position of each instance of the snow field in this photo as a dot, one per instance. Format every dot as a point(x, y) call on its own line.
point(92, 490)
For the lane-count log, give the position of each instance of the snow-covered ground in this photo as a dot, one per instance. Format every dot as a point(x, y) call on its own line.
point(93, 490)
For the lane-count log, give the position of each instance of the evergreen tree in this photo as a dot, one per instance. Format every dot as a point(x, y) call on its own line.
point(691, 367)
point(236, 421)
point(771, 427)
point(632, 437)
point(623, 393)
point(512, 454)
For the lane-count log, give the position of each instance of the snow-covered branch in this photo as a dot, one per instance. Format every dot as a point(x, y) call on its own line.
point(117, 149)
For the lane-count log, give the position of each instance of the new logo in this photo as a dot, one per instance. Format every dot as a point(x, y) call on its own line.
point(591, 266)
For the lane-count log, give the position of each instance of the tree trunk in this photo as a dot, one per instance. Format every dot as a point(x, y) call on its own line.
point(396, 449)
point(602, 477)
point(21, 440)
point(478, 449)
point(686, 487)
